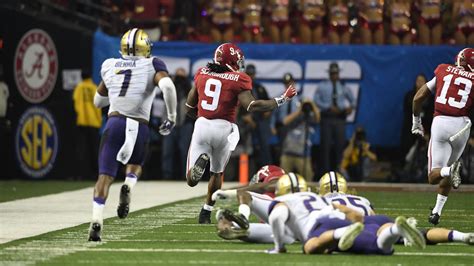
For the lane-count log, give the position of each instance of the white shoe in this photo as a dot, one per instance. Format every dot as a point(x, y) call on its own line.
point(454, 174)
point(469, 239)
point(347, 239)
point(410, 232)
point(412, 222)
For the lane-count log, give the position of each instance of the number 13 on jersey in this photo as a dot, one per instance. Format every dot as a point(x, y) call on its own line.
point(213, 91)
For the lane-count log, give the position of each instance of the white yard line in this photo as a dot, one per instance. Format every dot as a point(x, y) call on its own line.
point(207, 250)
point(39, 215)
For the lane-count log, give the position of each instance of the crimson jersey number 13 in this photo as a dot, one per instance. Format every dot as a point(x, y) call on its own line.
point(463, 92)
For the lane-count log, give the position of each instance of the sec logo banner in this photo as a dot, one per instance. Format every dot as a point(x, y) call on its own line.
point(36, 142)
point(35, 65)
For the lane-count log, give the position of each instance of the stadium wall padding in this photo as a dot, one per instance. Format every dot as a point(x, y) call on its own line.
point(73, 52)
point(379, 75)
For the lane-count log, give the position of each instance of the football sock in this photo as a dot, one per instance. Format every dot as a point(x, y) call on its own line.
point(277, 221)
point(262, 233)
point(98, 209)
point(388, 237)
point(440, 201)
point(445, 171)
point(456, 236)
point(208, 207)
point(244, 209)
point(339, 232)
point(259, 233)
point(131, 180)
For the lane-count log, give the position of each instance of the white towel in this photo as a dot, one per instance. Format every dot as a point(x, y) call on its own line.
point(234, 137)
point(462, 131)
point(131, 133)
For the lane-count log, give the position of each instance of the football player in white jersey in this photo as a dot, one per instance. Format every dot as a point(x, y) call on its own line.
point(258, 204)
point(128, 86)
point(333, 186)
point(235, 225)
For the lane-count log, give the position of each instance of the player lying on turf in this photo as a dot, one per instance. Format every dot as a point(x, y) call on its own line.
point(259, 205)
point(333, 186)
point(267, 177)
point(262, 233)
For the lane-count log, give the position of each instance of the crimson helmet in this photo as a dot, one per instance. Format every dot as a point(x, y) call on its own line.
point(229, 55)
point(267, 173)
point(465, 59)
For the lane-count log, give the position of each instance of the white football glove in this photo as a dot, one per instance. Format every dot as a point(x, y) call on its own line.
point(224, 194)
point(417, 127)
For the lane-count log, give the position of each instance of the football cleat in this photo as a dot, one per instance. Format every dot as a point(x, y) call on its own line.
point(412, 222)
point(434, 218)
point(410, 232)
point(347, 239)
point(205, 216)
point(237, 218)
point(95, 231)
point(454, 174)
point(124, 202)
point(197, 171)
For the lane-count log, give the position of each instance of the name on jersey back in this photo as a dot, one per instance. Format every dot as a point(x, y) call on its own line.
point(228, 76)
point(127, 63)
point(460, 72)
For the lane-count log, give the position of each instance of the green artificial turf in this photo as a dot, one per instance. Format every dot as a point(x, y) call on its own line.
point(20, 189)
point(170, 235)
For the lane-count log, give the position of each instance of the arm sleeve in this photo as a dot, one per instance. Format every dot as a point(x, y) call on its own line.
point(432, 85)
point(100, 101)
point(166, 85)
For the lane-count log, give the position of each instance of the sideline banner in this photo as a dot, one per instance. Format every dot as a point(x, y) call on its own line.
point(39, 142)
point(379, 76)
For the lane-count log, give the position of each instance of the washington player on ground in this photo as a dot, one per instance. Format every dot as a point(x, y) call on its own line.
point(258, 204)
point(452, 87)
point(219, 88)
point(128, 85)
point(322, 228)
point(333, 186)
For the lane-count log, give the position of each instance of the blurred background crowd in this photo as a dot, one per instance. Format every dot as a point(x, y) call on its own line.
point(283, 137)
point(278, 21)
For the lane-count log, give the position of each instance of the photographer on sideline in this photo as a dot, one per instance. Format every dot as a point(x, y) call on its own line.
point(296, 148)
point(357, 156)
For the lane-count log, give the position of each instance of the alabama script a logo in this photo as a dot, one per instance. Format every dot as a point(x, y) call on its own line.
point(36, 66)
